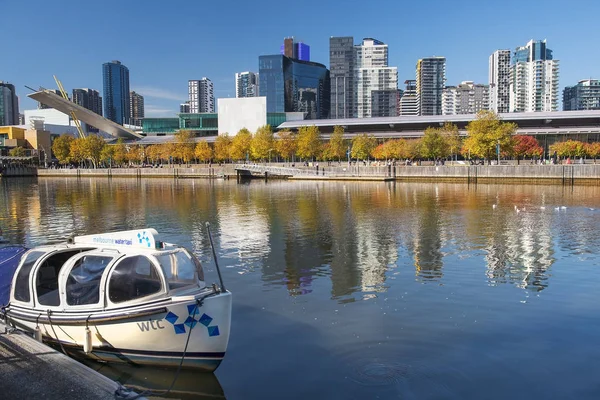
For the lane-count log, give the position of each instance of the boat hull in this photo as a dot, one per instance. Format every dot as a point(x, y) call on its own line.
point(160, 335)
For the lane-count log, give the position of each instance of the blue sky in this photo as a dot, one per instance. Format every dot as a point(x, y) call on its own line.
point(166, 43)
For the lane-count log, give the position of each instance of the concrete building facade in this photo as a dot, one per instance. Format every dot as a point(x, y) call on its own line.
point(499, 81)
point(465, 98)
point(583, 96)
point(430, 84)
point(372, 75)
point(408, 102)
point(341, 65)
point(534, 79)
point(136, 104)
point(246, 84)
point(201, 96)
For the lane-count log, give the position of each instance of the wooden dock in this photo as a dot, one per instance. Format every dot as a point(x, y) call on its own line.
point(31, 370)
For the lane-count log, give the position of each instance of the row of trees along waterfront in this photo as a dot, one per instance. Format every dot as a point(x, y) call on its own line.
point(484, 135)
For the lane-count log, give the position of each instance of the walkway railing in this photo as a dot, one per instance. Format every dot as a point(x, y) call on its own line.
point(283, 171)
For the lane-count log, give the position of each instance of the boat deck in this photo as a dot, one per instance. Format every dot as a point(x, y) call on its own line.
point(29, 370)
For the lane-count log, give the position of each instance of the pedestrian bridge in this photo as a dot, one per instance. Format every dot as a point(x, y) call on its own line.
point(270, 170)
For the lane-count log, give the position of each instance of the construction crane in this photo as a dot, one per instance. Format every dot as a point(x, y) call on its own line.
point(73, 116)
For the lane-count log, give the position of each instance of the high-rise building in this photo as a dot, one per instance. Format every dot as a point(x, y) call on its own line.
point(9, 104)
point(295, 50)
point(90, 99)
point(136, 104)
point(466, 98)
point(408, 101)
point(201, 95)
point(341, 65)
point(292, 85)
point(533, 78)
point(184, 108)
point(246, 84)
point(583, 96)
point(499, 80)
point(373, 76)
point(116, 92)
point(431, 80)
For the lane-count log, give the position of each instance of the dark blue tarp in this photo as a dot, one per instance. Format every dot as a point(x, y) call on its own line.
point(10, 257)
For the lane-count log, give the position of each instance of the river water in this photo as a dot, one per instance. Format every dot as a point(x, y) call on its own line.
point(360, 290)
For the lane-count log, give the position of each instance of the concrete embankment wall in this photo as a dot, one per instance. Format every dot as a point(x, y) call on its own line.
point(18, 171)
point(561, 174)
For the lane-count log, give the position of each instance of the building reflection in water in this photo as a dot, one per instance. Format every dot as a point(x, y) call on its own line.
point(357, 235)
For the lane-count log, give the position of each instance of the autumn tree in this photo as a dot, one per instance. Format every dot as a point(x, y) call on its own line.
point(17, 152)
point(570, 148)
point(153, 152)
point(203, 151)
point(223, 147)
point(92, 148)
point(525, 146)
point(309, 142)
point(397, 149)
point(262, 143)
point(486, 132)
point(61, 148)
point(107, 154)
point(135, 154)
point(286, 144)
point(362, 146)
point(184, 145)
point(414, 149)
point(337, 144)
point(434, 144)
point(593, 150)
point(77, 151)
point(120, 152)
point(240, 145)
point(452, 137)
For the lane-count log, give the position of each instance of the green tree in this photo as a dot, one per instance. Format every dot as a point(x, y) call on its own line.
point(286, 145)
point(263, 143)
point(362, 146)
point(485, 133)
point(17, 152)
point(223, 147)
point(337, 144)
point(309, 142)
point(434, 144)
point(240, 144)
point(61, 148)
point(203, 151)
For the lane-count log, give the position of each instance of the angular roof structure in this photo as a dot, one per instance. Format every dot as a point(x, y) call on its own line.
point(53, 100)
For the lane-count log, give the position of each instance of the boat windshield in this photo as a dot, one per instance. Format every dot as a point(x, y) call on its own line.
point(180, 268)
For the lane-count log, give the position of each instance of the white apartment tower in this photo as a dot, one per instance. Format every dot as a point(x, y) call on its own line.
point(533, 79)
point(499, 80)
point(246, 84)
point(375, 83)
point(201, 95)
point(408, 101)
point(466, 98)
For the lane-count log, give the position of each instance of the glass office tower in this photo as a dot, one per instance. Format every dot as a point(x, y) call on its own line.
point(292, 85)
point(116, 92)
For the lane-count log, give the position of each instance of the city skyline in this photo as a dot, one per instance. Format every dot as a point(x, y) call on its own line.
point(161, 76)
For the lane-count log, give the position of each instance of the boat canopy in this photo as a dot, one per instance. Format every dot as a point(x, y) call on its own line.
point(104, 271)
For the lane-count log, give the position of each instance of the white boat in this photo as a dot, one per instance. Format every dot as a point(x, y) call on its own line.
point(124, 297)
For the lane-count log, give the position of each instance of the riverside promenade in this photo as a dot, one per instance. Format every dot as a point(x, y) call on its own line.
point(32, 370)
point(568, 174)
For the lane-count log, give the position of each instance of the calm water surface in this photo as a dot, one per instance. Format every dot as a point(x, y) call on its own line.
point(365, 290)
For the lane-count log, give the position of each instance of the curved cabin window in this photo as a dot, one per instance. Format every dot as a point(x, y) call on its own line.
point(133, 278)
point(22, 282)
point(180, 268)
point(46, 282)
point(83, 282)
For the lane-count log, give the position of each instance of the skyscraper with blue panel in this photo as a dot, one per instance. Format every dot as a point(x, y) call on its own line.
point(115, 77)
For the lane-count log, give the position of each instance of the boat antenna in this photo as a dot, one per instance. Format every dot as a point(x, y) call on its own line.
point(212, 246)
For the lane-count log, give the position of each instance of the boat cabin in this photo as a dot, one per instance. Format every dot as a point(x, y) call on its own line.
point(103, 272)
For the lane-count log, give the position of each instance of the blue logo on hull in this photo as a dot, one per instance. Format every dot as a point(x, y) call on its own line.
point(191, 322)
